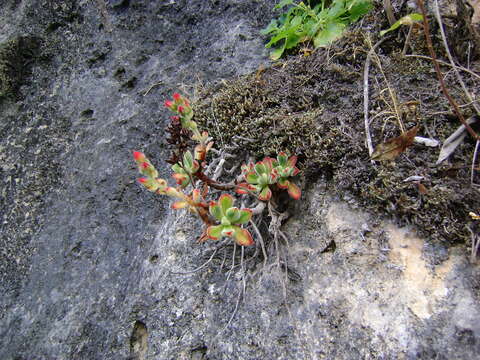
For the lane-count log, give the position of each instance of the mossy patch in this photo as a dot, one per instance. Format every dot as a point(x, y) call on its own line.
point(16, 57)
point(313, 107)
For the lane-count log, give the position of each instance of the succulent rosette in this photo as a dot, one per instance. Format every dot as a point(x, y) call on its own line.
point(286, 168)
point(230, 218)
point(268, 172)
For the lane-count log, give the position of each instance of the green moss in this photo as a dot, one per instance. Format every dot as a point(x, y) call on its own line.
point(16, 56)
point(313, 107)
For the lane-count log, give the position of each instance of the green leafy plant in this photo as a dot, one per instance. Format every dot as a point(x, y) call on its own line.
point(221, 218)
point(322, 24)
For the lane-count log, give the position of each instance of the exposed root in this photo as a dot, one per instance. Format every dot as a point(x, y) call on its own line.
point(200, 267)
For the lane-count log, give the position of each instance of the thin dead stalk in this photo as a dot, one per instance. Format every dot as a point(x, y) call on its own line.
point(475, 153)
point(366, 71)
point(436, 11)
point(452, 102)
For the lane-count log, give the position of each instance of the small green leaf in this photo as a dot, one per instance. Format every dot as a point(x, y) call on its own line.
point(277, 53)
point(294, 191)
point(225, 201)
point(359, 8)
point(243, 237)
point(233, 214)
point(282, 183)
point(215, 211)
point(178, 169)
point(283, 3)
point(187, 160)
point(270, 28)
point(331, 32)
point(282, 159)
point(214, 232)
point(260, 168)
point(406, 20)
point(245, 216)
point(336, 10)
point(252, 178)
point(265, 194)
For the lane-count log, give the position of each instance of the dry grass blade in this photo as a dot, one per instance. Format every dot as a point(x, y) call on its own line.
point(390, 149)
point(366, 71)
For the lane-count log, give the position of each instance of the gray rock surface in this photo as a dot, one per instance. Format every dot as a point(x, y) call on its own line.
point(87, 257)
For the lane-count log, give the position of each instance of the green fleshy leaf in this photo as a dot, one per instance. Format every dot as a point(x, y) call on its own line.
point(260, 168)
point(214, 232)
point(243, 237)
point(294, 191)
point(252, 178)
point(245, 216)
point(269, 163)
point(187, 160)
point(178, 169)
point(233, 214)
point(228, 231)
point(225, 221)
point(226, 202)
point(292, 161)
point(215, 211)
point(264, 180)
point(282, 159)
point(282, 183)
point(265, 194)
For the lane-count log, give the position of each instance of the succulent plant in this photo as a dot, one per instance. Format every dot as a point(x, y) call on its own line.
point(184, 170)
point(194, 203)
point(268, 172)
point(181, 106)
point(221, 217)
point(230, 218)
point(286, 168)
